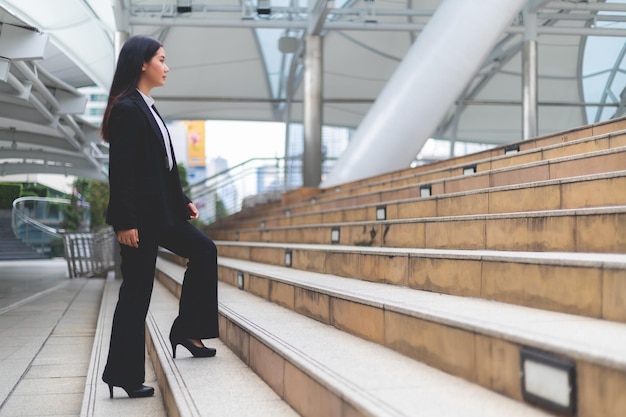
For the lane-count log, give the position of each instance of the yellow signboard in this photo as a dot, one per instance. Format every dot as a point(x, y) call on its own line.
point(195, 143)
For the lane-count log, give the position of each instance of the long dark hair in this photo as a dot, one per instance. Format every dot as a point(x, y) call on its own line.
point(136, 51)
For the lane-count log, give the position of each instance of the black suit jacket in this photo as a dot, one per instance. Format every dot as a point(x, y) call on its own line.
point(143, 191)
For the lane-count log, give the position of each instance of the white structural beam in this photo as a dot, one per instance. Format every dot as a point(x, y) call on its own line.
point(120, 14)
point(17, 43)
point(30, 168)
point(432, 75)
point(317, 16)
point(355, 25)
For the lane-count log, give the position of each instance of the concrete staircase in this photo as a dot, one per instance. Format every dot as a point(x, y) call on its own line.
point(461, 265)
point(487, 285)
point(11, 248)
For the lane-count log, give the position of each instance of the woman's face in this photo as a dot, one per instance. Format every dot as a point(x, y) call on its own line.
point(154, 72)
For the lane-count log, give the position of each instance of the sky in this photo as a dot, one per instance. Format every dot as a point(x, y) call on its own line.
point(235, 141)
point(238, 141)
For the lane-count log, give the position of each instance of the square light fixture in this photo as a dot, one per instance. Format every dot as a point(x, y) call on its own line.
point(511, 149)
point(548, 381)
point(240, 280)
point(288, 44)
point(334, 235)
point(381, 213)
point(288, 257)
point(287, 213)
point(263, 7)
point(262, 225)
point(469, 170)
point(425, 191)
point(184, 6)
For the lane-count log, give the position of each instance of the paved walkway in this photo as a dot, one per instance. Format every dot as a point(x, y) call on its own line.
point(47, 327)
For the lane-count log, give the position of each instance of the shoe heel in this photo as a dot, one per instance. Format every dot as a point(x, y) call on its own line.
point(174, 349)
point(110, 390)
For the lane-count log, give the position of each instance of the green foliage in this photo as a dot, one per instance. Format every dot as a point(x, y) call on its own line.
point(83, 187)
point(182, 173)
point(96, 193)
point(56, 248)
point(98, 201)
point(198, 223)
point(220, 209)
point(34, 190)
point(73, 215)
point(8, 193)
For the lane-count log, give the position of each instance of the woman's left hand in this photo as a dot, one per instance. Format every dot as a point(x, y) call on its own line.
point(193, 211)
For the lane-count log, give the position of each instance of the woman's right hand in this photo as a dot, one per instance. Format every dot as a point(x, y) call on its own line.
point(128, 237)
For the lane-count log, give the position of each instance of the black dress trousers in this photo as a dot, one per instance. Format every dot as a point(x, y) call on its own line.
point(197, 317)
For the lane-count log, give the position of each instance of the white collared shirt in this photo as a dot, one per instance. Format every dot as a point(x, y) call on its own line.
point(167, 141)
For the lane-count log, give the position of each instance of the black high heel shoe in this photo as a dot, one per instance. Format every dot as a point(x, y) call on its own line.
point(196, 351)
point(138, 392)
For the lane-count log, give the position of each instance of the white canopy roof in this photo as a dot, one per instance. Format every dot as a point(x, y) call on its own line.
point(232, 60)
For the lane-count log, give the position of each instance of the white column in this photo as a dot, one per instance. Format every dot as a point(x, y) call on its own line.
point(430, 78)
point(120, 38)
point(530, 122)
point(312, 156)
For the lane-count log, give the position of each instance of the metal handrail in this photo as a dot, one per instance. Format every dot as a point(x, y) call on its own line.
point(237, 179)
point(29, 220)
point(86, 253)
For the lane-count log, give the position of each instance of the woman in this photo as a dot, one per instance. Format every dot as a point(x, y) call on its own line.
point(147, 209)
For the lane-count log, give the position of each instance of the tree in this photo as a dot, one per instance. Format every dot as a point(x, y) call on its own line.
point(72, 215)
point(182, 173)
point(98, 201)
point(220, 209)
point(96, 193)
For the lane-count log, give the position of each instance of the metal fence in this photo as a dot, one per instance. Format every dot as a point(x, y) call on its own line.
point(89, 254)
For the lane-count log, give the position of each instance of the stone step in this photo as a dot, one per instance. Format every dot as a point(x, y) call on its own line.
point(322, 371)
point(451, 178)
point(219, 386)
point(96, 401)
point(478, 340)
point(550, 141)
point(597, 190)
point(570, 230)
point(591, 156)
point(588, 284)
point(12, 248)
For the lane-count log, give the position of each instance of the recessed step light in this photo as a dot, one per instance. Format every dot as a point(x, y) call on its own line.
point(548, 381)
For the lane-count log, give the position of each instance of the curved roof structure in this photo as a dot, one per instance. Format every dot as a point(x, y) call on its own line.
point(48, 51)
point(243, 60)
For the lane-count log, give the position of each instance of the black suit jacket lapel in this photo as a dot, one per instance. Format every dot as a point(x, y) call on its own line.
point(155, 127)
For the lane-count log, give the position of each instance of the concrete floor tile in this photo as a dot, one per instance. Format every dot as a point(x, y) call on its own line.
point(42, 405)
point(25, 332)
point(58, 371)
point(28, 351)
point(60, 354)
point(11, 373)
point(69, 340)
point(6, 351)
point(43, 386)
point(13, 341)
